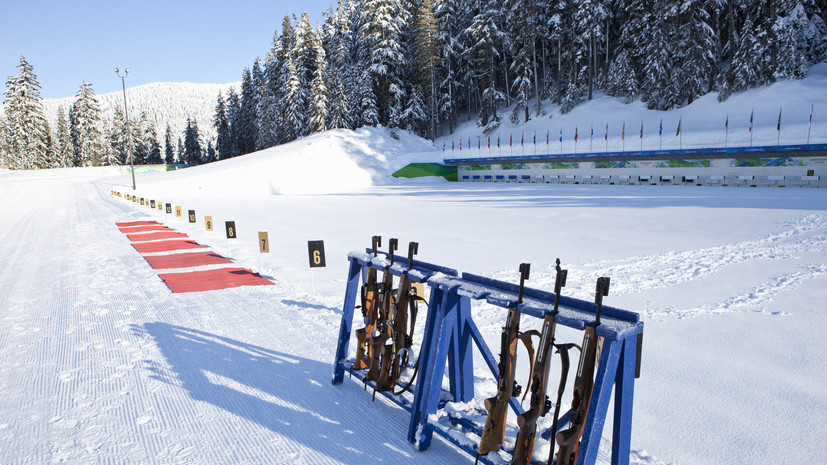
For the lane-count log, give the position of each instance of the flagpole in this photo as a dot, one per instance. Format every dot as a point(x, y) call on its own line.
point(751, 114)
point(811, 124)
point(726, 133)
point(778, 128)
point(591, 140)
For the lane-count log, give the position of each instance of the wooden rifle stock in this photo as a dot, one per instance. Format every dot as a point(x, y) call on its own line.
point(493, 433)
point(540, 404)
point(370, 306)
point(394, 356)
point(569, 439)
point(382, 331)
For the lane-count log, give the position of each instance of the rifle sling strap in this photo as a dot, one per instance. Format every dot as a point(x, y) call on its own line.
point(525, 338)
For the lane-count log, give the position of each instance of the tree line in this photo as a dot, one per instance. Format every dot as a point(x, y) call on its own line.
point(80, 136)
point(423, 65)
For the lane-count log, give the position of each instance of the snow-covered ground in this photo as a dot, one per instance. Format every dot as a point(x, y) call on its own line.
point(101, 363)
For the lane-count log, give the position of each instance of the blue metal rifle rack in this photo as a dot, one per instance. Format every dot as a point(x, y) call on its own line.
point(447, 349)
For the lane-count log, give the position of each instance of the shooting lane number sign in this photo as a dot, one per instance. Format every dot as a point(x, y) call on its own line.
point(160, 205)
point(231, 231)
point(152, 204)
point(263, 242)
point(191, 215)
point(208, 222)
point(142, 201)
point(169, 208)
point(178, 211)
point(315, 250)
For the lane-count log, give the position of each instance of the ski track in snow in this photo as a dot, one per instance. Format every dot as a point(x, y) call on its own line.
point(635, 275)
point(100, 363)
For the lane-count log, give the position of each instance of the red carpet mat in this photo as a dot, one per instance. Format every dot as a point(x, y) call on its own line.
point(154, 236)
point(127, 224)
point(185, 260)
point(137, 229)
point(210, 280)
point(167, 246)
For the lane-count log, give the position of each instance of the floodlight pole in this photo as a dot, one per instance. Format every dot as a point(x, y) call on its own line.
point(126, 116)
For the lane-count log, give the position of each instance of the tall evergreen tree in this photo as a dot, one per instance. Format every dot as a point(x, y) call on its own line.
point(221, 123)
point(63, 140)
point(318, 92)
point(169, 150)
point(193, 153)
point(89, 141)
point(26, 125)
point(383, 22)
point(485, 39)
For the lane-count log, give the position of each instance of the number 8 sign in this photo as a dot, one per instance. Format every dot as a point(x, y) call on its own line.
point(231, 232)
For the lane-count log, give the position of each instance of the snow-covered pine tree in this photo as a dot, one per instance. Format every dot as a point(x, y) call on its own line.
point(695, 54)
point(139, 148)
point(657, 87)
point(426, 58)
point(169, 150)
point(149, 139)
point(246, 121)
point(268, 112)
point(415, 116)
point(234, 116)
point(790, 30)
point(193, 153)
point(63, 140)
point(295, 109)
point(89, 142)
point(522, 20)
point(485, 39)
point(221, 124)
point(748, 65)
point(318, 91)
point(180, 157)
point(383, 21)
point(26, 125)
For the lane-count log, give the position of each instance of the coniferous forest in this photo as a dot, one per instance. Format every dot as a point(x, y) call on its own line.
point(426, 65)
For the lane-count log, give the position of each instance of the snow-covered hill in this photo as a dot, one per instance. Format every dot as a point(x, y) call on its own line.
point(165, 103)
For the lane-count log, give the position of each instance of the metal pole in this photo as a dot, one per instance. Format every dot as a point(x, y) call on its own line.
point(128, 132)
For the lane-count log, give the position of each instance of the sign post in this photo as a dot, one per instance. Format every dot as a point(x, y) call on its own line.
point(229, 227)
point(263, 247)
point(315, 252)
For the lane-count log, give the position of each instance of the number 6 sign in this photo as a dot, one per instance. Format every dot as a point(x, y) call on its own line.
point(315, 250)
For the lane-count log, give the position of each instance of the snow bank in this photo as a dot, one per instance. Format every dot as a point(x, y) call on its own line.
point(335, 161)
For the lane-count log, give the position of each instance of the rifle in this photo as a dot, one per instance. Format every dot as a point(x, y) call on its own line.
point(370, 304)
point(540, 403)
point(493, 434)
point(569, 439)
point(381, 332)
point(395, 355)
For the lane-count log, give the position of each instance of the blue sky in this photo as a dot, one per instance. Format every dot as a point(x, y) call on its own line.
point(69, 42)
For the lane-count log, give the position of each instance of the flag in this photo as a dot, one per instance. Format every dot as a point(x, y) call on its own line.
point(561, 135)
point(641, 129)
point(547, 134)
point(678, 132)
point(510, 140)
point(460, 145)
point(452, 146)
point(811, 114)
point(522, 139)
point(489, 142)
point(778, 128)
point(443, 146)
point(660, 129)
point(575, 133)
point(623, 132)
point(469, 143)
point(606, 135)
point(726, 123)
point(498, 141)
point(750, 120)
point(592, 135)
point(535, 137)
point(479, 147)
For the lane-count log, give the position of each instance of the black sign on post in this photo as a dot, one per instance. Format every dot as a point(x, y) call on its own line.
point(151, 204)
point(169, 207)
point(315, 250)
point(230, 227)
point(192, 216)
